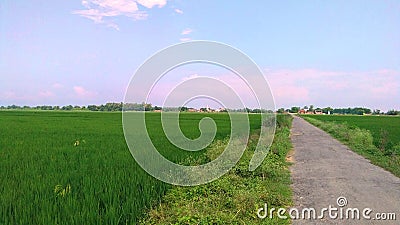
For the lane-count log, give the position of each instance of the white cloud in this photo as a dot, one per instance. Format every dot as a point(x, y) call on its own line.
point(82, 92)
point(100, 11)
point(185, 39)
point(186, 31)
point(151, 3)
point(113, 25)
point(374, 89)
point(57, 85)
point(9, 95)
point(46, 94)
point(179, 11)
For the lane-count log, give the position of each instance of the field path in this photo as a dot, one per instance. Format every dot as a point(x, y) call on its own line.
point(325, 169)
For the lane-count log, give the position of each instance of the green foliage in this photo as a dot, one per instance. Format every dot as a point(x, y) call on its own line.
point(75, 168)
point(280, 110)
point(235, 197)
point(294, 109)
point(385, 130)
point(354, 111)
point(393, 112)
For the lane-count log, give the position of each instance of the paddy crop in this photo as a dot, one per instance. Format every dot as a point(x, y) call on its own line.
point(75, 167)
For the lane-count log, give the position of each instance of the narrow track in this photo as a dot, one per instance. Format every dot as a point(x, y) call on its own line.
point(324, 170)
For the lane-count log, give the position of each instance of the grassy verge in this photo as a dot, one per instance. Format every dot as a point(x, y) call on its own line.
point(235, 197)
point(362, 142)
point(385, 130)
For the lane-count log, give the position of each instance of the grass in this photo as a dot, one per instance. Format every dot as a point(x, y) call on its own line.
point(236, 196)
point(381, 127)
point(368, 136)
point(75, 167)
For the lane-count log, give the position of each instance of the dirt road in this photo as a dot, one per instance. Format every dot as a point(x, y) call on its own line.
point(324, 170)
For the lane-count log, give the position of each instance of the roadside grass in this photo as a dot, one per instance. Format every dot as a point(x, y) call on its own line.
point(235, 197)
point(385, 130)
point(361, 141)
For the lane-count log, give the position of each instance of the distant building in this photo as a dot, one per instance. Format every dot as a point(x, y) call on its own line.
point(302, 111)
point(192, 110)
point(318, 112)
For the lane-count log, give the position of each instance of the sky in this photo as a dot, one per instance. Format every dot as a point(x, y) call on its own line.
point(324, 53)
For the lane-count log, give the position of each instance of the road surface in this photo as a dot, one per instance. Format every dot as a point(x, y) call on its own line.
point(324, 170)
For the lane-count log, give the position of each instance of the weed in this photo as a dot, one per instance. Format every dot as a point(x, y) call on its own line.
point(235, 197)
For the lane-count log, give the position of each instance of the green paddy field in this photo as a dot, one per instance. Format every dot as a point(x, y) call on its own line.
point(75, 167)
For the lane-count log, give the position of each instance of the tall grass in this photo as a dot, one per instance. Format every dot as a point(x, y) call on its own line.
point(75, 167)
point(235, 197)
point(385, 130)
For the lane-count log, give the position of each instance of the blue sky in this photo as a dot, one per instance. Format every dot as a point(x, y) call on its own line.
point(326, 53)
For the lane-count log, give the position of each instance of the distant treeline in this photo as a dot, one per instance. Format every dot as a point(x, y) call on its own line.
point(344, 111)
point(112, 107)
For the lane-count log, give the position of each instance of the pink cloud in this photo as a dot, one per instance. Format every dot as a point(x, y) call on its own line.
point(185, 39)
point(386, 89)
point(57, 86)
point(151, 3)
point(178, 11)
point(312, 86)
point(35, 97)
point(82, 92)
point(186, 31)
point(290, 94)
point(100, 10)
point(299, 87)
point(14, 96)
point(46, 94)
point(9, 95)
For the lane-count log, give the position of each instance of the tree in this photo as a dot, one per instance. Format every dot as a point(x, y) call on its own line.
point(393, 112)
point(327, 110)
point(92, 108)
point(281, 110)
point(294, 109)
point(183, 109)
point(147, 106)
point(68, 107)
point(376, 112)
